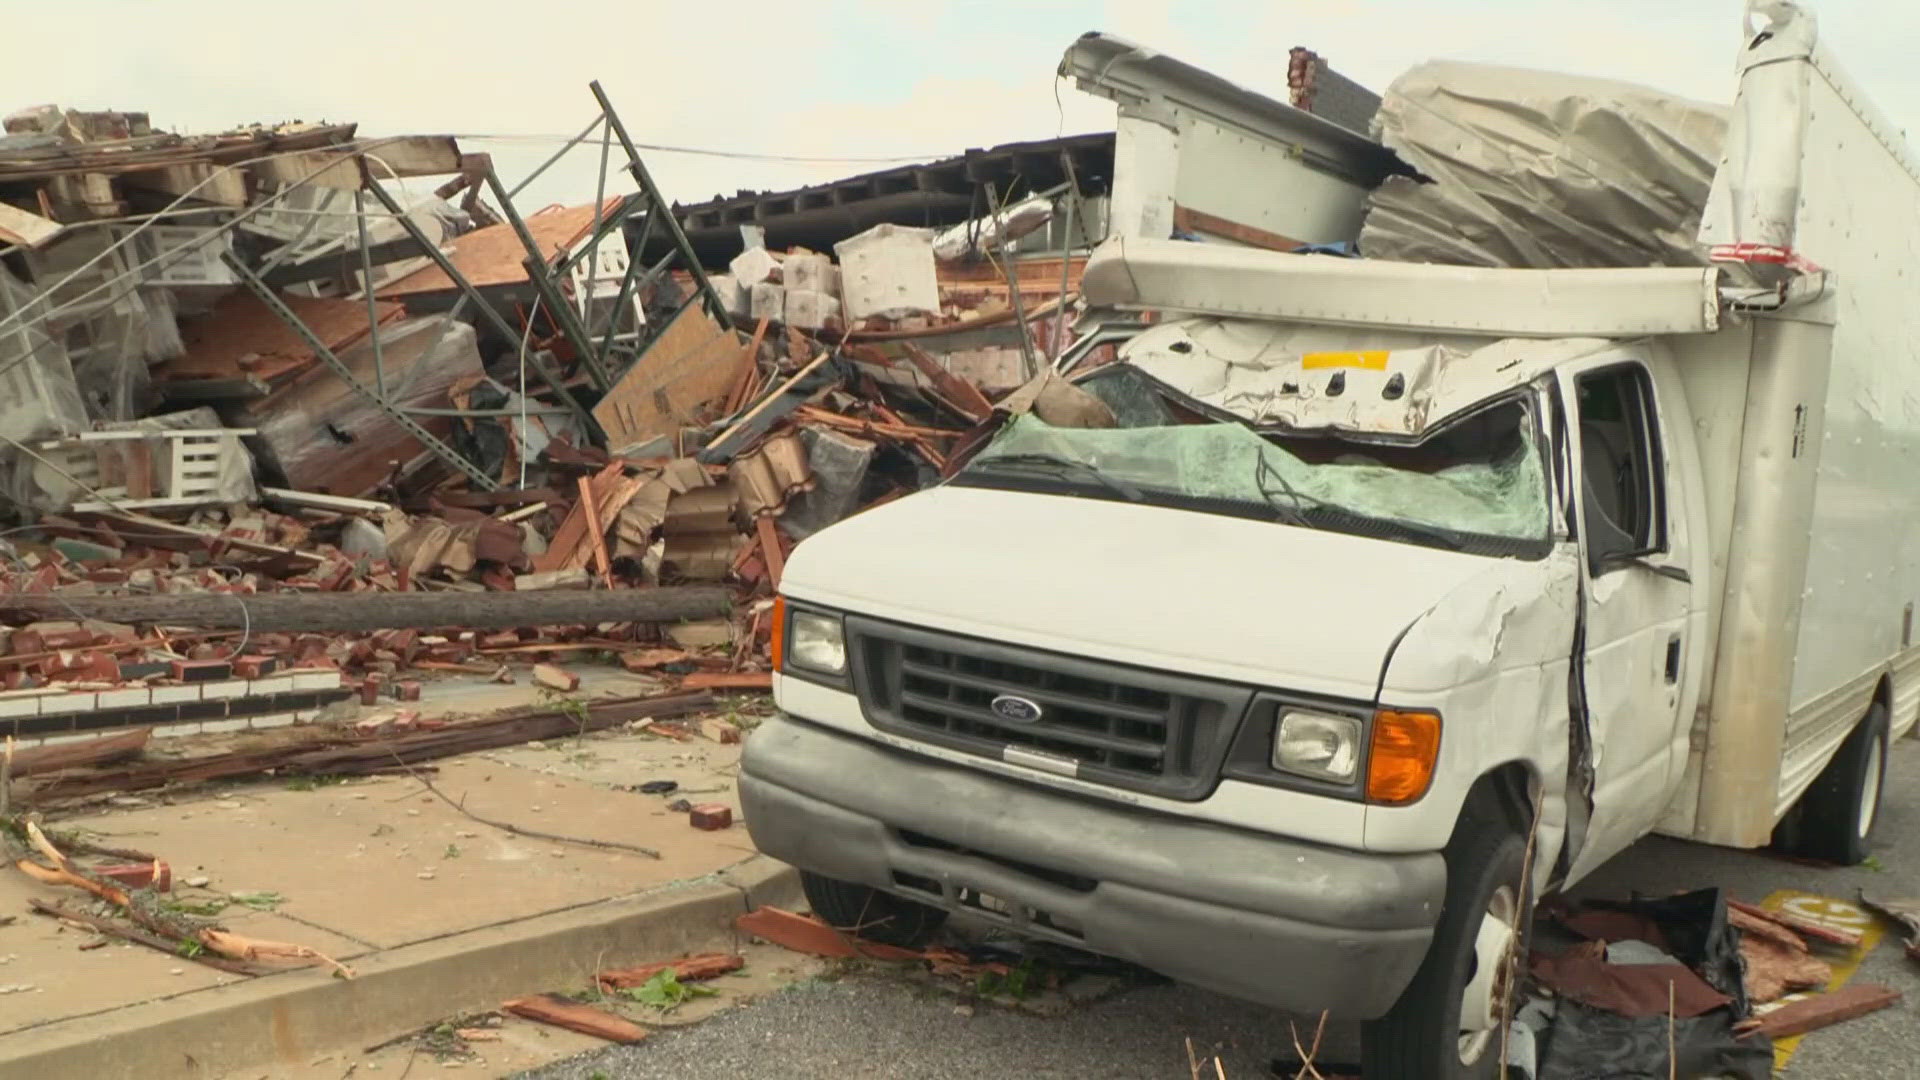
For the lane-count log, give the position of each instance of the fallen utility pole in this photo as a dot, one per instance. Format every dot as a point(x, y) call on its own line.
point(349, 612)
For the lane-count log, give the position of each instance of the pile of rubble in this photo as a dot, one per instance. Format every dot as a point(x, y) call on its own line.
point(259, 436)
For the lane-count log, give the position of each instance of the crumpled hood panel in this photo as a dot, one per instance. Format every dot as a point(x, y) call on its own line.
point(1196, 593)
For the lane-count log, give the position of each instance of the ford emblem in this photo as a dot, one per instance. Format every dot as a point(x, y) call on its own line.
point(1016, 710)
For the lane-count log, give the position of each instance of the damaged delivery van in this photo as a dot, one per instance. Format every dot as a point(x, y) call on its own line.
point(1362, 600)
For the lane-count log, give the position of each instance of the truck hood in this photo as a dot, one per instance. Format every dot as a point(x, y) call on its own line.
point(1204, 594)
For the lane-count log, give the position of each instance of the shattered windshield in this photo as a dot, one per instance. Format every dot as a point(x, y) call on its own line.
point(1476, 484)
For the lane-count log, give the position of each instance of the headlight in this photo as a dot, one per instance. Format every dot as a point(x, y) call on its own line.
point(1316, 745)
point(817, 643)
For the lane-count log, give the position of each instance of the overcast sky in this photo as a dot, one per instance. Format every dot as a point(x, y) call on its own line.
point(825, 78)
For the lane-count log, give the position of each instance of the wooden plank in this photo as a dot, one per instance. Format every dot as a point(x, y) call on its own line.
point(26, 228)
point(959, 395)
point(1187, 219)
point(569, 1014)
point(770, 549)
point(737, 397)
point(103, 751)
point(681, 379)
point(728, 680)
point(686, 969)
point(1804, 927)
point(771, 396)
point(572, 532)
point(195, 180)
point(596, 532)
point(1822, 1010)
point(316, 501)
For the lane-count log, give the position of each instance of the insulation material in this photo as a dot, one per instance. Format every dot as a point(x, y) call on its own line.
point(888, 272)
point(753, 266)
point(975, 239)
point(1538, 170)
point(323, 436)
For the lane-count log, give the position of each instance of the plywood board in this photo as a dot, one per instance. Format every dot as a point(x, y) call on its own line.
point(681, 379)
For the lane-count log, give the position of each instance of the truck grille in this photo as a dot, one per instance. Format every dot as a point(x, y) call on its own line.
point(1133, 728)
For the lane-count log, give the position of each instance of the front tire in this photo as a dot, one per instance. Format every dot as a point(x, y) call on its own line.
point(1446, 1025)
point(869, 913)
point(1839, 812)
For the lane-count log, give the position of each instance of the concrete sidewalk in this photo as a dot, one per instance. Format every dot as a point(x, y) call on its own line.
point(439, 914)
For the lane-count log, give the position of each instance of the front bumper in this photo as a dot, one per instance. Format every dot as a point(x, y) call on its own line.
point(1290, 924)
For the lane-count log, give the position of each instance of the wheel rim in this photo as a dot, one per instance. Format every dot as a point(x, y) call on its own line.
point(1485, 990)
point(1870, 792)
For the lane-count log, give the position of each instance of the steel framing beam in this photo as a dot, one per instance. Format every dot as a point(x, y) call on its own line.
point(427, 438)
point(540, 272)
point(659, 205)
point(472, 295)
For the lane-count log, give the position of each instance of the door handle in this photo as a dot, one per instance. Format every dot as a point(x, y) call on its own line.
point(1673, 659)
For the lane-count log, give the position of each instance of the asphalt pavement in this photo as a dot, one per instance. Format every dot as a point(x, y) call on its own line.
point(878, 1024)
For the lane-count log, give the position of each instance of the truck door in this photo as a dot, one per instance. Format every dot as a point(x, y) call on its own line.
point(1637, 597)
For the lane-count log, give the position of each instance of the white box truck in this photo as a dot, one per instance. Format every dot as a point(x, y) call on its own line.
point(1387, 596)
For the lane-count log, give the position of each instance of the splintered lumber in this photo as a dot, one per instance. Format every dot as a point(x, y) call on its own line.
point(561, 1012)
point(1821, 1010)
point(957, 393)
point(347, 612)
point(378, 752)
point(686, 969)
point(1806, 928)
point(728, 680)
point(807, 934)
point(33, 760)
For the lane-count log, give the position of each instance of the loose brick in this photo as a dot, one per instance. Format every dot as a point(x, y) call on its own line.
point(255, 667)
point(711, 816)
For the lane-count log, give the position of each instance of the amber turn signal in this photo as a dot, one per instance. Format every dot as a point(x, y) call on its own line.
point(779, 646)
point(1406, 746)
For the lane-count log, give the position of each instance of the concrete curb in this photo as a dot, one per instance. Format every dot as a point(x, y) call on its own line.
point(293, 1017)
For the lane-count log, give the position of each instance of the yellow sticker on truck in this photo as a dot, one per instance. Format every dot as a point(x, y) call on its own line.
point(1371, 360)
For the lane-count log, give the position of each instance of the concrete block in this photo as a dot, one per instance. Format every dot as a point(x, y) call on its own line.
point(887, 271)
point(54, 704)
point(753, 266)
point(230, 688)
point(273, 684)
point(732, 296)
point(271, 720)
point(217, 727)
point(316, 680)
point(125, 699)
point(175, 731)
point(174, 695)
point(769, 302)
point(995, 370)
point(15, 707)
point(810, 310)
point(808, 271)
point(839, 466)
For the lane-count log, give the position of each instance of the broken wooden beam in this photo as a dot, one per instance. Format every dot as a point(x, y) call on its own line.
point(562, 1012)
point(686, 969)
point(1821, 1010)
point(32, 760)
point(342, 612)
point(1806, 928)
point(343, 755)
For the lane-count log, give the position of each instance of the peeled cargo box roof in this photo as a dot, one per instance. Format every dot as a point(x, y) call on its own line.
point(1538, 170)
